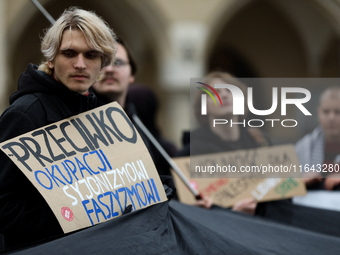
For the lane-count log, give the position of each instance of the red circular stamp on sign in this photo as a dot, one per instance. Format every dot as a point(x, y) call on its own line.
point(67, 213)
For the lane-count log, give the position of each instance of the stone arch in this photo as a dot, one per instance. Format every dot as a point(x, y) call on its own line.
point(280, 20)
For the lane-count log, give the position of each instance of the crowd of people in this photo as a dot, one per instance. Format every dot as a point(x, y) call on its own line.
point(88, 66)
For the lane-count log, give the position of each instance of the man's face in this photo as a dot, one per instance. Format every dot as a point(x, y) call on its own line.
point(76, 65)
point(329, 116)
point(116, 79)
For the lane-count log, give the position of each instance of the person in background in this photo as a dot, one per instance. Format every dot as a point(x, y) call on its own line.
point(114, 86)
point(204, 140)
point(76, 48)
point(117, 77)
point(321, 148)
point(115, 82)
point(222, 138)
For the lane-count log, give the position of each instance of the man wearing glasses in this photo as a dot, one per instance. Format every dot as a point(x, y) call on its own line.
point(115, 82)
point(114, 86)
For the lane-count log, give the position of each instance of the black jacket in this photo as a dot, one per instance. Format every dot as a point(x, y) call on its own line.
point(40, 100)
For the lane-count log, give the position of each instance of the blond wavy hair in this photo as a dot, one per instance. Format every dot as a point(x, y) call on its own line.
point(98, 35)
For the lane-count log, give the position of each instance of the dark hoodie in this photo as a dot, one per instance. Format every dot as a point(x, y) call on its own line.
point(40, 100)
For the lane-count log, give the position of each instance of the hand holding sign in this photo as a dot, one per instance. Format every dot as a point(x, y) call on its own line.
point(247, 205)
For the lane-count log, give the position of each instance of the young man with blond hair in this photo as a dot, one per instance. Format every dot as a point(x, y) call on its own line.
point(77, 47)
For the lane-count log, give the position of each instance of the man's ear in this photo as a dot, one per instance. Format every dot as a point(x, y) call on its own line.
point(100, 75)
point(50, 64)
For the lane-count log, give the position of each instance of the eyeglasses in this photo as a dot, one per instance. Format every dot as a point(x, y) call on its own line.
point(120, 63)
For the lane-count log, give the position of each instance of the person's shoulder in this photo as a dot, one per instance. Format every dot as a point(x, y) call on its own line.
point(23, 115)
point(309, 138)
point(27, 108)
point(26, 104)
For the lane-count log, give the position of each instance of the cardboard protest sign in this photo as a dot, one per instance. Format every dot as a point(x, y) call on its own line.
point(227, 191)
point(88, 167)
